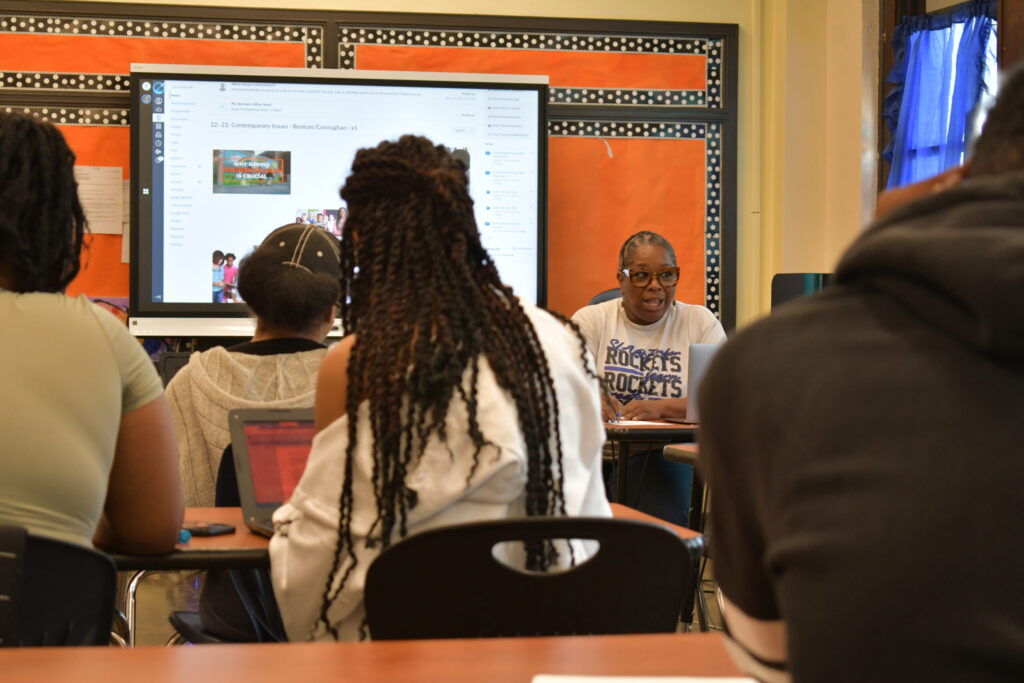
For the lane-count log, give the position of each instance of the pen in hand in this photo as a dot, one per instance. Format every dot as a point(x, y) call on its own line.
point(611, 407)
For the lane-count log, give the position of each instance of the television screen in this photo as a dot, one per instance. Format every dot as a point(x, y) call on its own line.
point(223, 155)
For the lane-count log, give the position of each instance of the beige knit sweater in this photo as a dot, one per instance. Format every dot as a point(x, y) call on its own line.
point(216, 382)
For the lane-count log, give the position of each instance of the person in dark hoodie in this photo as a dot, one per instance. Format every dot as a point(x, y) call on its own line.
point(863, 446)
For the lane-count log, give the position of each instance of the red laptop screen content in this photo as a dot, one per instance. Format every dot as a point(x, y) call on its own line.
point(277, 457)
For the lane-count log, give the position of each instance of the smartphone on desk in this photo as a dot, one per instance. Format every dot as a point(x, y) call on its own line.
point(207, 528)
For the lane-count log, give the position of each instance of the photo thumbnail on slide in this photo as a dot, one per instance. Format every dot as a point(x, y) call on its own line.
point(331, 220)
point(245, 171)
point(225, 278)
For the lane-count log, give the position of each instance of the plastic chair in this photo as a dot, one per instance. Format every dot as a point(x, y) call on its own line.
point(170, 363)
point(606, 295)
point(446, 583)
point(53, 593)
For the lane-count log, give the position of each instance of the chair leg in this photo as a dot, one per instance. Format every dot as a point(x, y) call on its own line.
point(702, 609)
point(119, 629)
point(129, 604)
point(129, 599)
point(176, 639)
point(640, 484)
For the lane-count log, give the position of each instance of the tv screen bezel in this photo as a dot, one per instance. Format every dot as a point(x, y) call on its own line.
point(148, 318)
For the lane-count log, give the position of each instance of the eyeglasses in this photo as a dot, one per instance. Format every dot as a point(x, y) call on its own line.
point(641, 278)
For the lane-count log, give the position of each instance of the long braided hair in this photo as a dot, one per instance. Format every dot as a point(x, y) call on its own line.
point(426, 303)
point(42, 224)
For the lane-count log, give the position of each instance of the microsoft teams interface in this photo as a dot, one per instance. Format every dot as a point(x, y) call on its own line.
point(221, 163)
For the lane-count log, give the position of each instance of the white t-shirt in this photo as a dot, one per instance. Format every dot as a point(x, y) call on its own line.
point(302, 549)
point(646, 362)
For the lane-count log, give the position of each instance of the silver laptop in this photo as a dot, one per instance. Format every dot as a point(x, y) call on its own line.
point(700, 359)
point(270, 449)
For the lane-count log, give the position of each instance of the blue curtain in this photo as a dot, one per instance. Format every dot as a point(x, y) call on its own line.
point(939, 77)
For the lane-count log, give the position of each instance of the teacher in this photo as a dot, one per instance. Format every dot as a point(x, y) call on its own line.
point(641, 341)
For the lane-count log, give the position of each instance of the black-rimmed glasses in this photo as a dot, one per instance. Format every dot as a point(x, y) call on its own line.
point(641, 278)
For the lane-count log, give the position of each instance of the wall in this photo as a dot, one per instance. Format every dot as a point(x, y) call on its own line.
point(936, 5)
point(799, 161)
point(819, 159)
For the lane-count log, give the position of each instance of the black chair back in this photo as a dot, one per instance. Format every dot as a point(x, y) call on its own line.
point(57, 593)
point(446, 583)
point(789, 286)
point(606, 295)
point(170, 363)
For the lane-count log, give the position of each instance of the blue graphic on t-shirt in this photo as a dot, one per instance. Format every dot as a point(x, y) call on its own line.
point(648, 374)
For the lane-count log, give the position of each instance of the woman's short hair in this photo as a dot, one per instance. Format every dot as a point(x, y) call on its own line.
point(42, 224)
point(642, 238)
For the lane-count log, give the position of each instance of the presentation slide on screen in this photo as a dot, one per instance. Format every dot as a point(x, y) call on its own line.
point(232, 160)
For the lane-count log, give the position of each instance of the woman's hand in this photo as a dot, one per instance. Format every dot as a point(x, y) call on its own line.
point(611, 409)
point(653, 410)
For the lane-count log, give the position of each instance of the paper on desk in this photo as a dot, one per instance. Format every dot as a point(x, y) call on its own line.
point(636, 423)
point(99, 190)
point(559, 678)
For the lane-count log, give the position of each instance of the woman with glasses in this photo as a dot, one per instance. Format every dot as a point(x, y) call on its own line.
point(641, 343)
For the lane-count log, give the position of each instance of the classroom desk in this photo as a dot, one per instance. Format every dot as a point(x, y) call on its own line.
point(620, 511)
point(494, 660)
point(654, 434)
point(246, 550)
point(240, 550)
point(687, 454)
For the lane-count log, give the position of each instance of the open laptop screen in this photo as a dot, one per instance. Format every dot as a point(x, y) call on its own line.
point(277, 456)
point(700, 359)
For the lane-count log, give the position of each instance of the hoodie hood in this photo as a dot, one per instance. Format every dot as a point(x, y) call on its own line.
point(243, 380)
point(956, 259)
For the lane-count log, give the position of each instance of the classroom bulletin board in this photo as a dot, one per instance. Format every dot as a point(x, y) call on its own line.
point(641, 115)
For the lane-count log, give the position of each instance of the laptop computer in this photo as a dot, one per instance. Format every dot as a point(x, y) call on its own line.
point(700, 359)
point(270, 449)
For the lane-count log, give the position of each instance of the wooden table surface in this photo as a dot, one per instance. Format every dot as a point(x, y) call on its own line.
point(622, 512)
point(497, 660)
point(241, 539)
point(245, 549)
point(239, 550)
point(686, 453)
point(659, 433)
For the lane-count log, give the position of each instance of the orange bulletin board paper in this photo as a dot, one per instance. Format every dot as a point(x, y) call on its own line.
point(102, 272)
point(596, 201)
point(107, 54)
point(565, 69)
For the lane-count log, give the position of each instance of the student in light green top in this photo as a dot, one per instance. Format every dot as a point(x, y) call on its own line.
point(88, 452)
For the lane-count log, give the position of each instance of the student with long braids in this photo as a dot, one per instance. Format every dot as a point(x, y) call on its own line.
point(468, 403)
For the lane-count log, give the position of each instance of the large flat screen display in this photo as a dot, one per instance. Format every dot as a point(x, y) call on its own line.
point(223, 155)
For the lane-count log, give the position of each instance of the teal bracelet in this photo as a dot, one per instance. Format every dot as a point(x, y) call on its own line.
point(184, 536)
